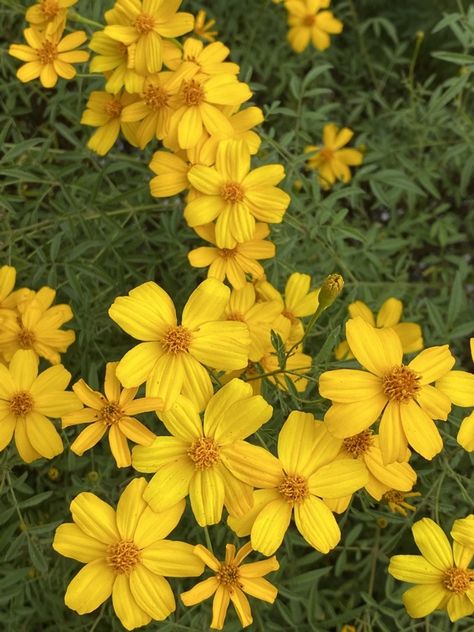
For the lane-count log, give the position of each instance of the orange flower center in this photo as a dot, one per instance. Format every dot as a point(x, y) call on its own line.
point(309, 20)
point(458, 580)
point(326, 154)
point(113, 108)
point(294, 488)
point(193, 93)
point(111, 413)
point(394, 496)
point(401, 384)
point(25, 338)
point(176, 340)
point(123, 556)
point(228, 575)
point(155, 97)
point(358, 444)
point(232, 192)
point(47, 53)
point(21, 404)
point(227, 253)
point(49, 8)
point(204, 452)
point(144, 23)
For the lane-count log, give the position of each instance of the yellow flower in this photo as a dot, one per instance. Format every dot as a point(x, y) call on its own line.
point(27, 399)
point(259, 318)
point(463, 531)
point(49, 55)
point(295, 483)
point(396, 501)
point(308, 23)
point(235, 195)
point(397, 477)
point(296, 302)
point(172, 356)
point(459, 387)
point(153, 109)
point(146, 23)
point(401, 393)
point(198, 458)
point(203, 60)
point(9, 297)
point(441, 574)
point(116, 60)
point(202, 28)
point(389, 315)
point(331, 161)
point(36, 325)
point(48, 13)
point(125, 556)
point(114, 413)
point(199, 103)
point(105, 111)
point(230, 581)
point(172, 171)
point(235, 263)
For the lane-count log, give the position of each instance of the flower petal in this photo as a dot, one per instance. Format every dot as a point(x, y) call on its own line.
point(206, 304)
point(316, 523)
point(420, 430)
point(95, 517)
point(433, 363)
point(170, 484)
point(43, 436)
point(152, 593)
point(172, 559)
point(270, 526)
point(126, 608)
point(422, 600)
point(156, 525)
point(378, 350)
point(71, 541)
point(346, 420)
point(206, 493)
point(90, 587)
point(414, 569)
point(252, 464)
point(130, 508)
point(458, 386)
point(349, 385)
point(433, 543)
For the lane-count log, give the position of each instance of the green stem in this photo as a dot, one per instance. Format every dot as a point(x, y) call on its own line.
point(308, 328)
point(76, 17)
point(208, 540)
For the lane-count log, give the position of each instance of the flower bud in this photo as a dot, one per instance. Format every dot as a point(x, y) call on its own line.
point(330, 290)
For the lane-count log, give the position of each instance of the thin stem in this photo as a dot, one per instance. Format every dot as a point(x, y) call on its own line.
point(77, 17)
point(208, 539)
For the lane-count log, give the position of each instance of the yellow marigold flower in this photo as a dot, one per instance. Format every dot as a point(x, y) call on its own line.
point(172, 356)
point(199, 103)
point(203, 60)
point(153, 110)
point(198, 459)
point(331, 161)
point(441, 574)
point(48, 13)
point(9, 297)
point(36, 325)
point(459, 387)
point(172, 171)
point(308, 22)
point(105, 111)
point(401, 393)
point(125, 556)
point(27, 400)
point(147, 22)
point(114, 413)
point(397, 477)
point(463, 531)
point(296, 302)
point(202, 28)
point(230, 581)
point(389, 315)
point(259, 318)
point(235, 195)
point(116, 60)
point(234, 263)
point(396, 501)
point(49, 55)
point(294, 484)
point(348, 628)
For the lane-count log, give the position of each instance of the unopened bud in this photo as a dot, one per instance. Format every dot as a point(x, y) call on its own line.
point(53, 473)
point(297, 185)
point(330, 290)
point(420, 35)
point(93, 476)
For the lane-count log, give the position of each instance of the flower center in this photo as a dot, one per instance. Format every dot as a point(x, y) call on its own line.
point(193, 93)
point(204, 452)
point(394, 496)
point(49, 8)
point(176, 340)
point(358, 444)
point(228, 575)
point(21, 404)
point(155, 97)
point(47, 53)
point(25, 338)
point(113, 108)
point(145, 23)
point(227, 253)
point(309, 20)
point(401, 384)
point(111, 413)
point(233, 192)
point(291, 317)
point(294, 488)
point(458, 580)
point(123, 556)
point(326, 154)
